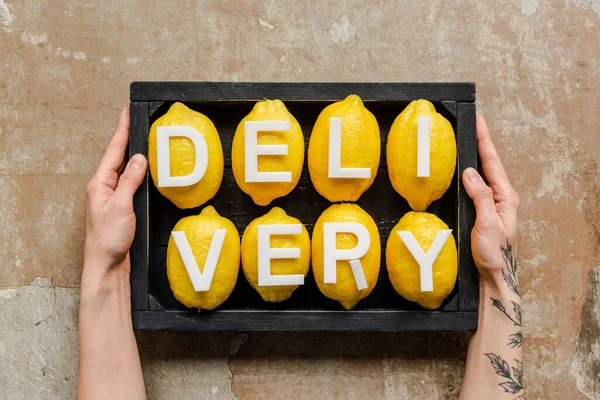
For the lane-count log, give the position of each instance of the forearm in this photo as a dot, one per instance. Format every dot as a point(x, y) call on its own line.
point(109, 361)
point(494, 358)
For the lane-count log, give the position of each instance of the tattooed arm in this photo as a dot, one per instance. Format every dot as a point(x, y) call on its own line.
point(494, 358)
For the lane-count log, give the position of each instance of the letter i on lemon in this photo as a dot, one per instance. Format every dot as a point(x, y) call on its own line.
point(421, 154)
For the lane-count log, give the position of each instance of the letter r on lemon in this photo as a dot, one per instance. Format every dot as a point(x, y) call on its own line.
point(332, 254)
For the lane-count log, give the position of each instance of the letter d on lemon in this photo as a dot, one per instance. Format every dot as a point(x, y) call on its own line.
point(163, 135)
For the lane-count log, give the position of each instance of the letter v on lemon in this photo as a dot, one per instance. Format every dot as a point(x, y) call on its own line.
point(267, 162)
point(402, 151)
point(344, 150)
point(209, 238)
point(182, 154)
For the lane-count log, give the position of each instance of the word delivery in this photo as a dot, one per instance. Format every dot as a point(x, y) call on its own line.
point(204, 251)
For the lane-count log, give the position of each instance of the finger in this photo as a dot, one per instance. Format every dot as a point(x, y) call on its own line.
point(130, 180)
point(122, 167)
point(492, 166)
point(115, 151)
point(482, 196)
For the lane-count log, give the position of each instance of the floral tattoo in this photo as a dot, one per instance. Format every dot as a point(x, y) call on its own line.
point(513, 376)
point(515, 338)
point(510, 272)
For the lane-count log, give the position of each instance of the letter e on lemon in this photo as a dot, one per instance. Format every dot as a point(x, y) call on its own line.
point(253, 150)
point(266, 253)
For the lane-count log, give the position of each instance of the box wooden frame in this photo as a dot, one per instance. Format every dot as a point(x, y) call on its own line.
point(460, 314)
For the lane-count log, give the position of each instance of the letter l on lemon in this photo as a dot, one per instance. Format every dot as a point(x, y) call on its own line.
point(425, 260)
point(163, 134)
point(335, 169)
point(266, 253)
point(253, 150)
point(331, 254)
point(200, 280)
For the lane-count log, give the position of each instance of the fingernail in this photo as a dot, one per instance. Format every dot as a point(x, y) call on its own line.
point(472, 175)
point(137, 161)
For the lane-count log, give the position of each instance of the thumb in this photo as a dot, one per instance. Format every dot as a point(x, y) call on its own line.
point(131, 179)
point(482, 196)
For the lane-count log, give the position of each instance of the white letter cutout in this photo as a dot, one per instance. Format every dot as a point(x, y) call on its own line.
point(200, 280)
point(331, 254)
point(335, 169)
point(163, 156)
point(425, 261)
point(266, 253)
point(424, 133)
point(253, 150)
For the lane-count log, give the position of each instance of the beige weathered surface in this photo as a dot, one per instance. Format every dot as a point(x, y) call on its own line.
point(65, 68)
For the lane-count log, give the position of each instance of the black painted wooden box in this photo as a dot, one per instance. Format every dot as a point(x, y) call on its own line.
point(153, 304)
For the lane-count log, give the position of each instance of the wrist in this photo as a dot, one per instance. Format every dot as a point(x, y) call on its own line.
point(492, 279)
point(496, 289)
point(101, 256)
point(101, 281)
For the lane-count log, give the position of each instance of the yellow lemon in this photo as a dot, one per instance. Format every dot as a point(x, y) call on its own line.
point(282, 266)
point(401, 153)
point(183, 157)
point(263, 193)
point(199, 230)
point(360, 148)
point(345, 290)
point(403, 269)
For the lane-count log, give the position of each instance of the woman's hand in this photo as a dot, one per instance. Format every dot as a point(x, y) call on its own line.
point(109, 364)
point(497, 205)
point(494, 369)
point(110, 218)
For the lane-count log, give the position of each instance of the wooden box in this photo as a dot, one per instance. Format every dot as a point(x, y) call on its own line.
point(226, 103)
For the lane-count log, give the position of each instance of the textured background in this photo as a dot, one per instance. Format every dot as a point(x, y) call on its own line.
point(65, 68)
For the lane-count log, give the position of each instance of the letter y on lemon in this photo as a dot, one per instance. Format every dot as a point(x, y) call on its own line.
point(425, 260)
